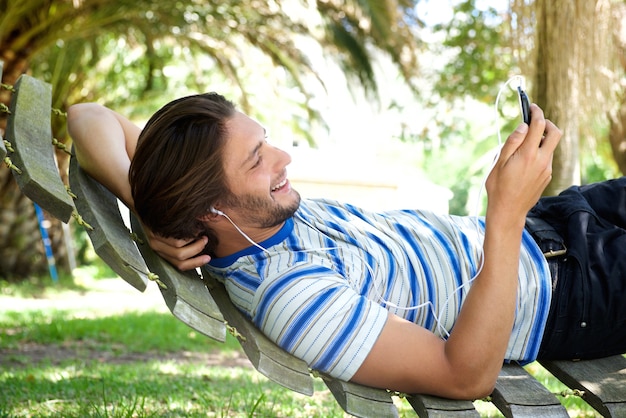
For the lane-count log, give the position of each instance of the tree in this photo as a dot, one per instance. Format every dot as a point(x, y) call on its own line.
point(565, 51)
point(568, 80)
point(617, 116)
point(64, 41)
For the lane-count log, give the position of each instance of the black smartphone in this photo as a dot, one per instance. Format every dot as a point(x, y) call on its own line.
point(524, 105)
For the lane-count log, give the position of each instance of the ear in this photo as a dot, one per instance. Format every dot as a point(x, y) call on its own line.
point(212, 215)
point(216, 211)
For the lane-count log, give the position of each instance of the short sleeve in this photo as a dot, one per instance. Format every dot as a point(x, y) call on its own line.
point(313, 313)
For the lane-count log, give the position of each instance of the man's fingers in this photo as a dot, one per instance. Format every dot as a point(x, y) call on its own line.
point(513, 142)
point(534, 136)
point(182, 254)
point(551, 137)
point(188, 264)
point(161, 241)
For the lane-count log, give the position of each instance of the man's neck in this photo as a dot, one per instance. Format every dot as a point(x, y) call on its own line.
point(231, 241)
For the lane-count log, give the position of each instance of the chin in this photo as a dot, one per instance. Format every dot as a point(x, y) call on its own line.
point(296, 198)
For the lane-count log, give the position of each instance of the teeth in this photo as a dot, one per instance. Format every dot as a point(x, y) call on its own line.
point(279, 185)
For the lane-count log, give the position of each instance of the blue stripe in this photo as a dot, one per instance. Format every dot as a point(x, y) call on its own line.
point(543, 295)
point(335, 256)
point(388, 254)
point(367, 278)
point(453, 258)
point(294, 244)
point(245, 280)
point(428, 274)
point(252, 250)
point(469, 248)
point(336, 347)
point(278, 286)
point(304, 317)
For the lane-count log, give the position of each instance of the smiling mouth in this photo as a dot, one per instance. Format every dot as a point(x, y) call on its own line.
point(279, 185)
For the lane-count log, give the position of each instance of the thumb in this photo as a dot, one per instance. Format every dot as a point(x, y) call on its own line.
point(514, 141)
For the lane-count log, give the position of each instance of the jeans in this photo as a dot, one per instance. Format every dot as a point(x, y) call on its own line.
point(587, 316)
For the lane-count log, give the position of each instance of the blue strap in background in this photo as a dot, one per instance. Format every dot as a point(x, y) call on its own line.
point(52, 268)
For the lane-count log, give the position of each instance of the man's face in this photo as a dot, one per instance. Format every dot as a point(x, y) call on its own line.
point(261, 195)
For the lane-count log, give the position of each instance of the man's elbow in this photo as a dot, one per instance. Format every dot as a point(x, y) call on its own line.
point(77, 112)
point(81, 119)
point(458, 385)
point(478, 391)
point(473, 387)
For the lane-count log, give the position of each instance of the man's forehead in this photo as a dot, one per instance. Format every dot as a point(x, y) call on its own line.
point(242, 124)
point(245, 136)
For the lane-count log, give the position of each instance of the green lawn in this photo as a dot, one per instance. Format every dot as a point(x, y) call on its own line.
point(72, 351)
point(73, 359)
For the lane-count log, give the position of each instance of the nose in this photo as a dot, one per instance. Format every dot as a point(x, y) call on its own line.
point(281, 158)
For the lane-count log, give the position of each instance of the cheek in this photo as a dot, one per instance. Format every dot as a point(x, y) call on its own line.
point(254, 184)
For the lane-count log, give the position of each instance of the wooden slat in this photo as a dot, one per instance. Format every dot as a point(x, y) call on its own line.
point(30, 133)
point(3, 149)
point(361, 401)
point(603, 382)
point(518, 394)
point(109, 235)
point(185, 293)
point(435, 407)
point(269, 359)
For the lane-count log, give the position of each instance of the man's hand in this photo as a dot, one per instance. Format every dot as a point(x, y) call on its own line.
point(523, 170)
point(411, 359)
point(182, 254)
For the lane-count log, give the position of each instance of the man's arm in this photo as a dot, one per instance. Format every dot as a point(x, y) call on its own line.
point(104, 143)
point(409, 358)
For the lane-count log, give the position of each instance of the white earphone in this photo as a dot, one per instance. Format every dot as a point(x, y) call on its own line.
point(250, 240)
point(217, 211)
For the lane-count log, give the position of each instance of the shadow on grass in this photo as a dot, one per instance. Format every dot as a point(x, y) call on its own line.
point(153, 388)
point(134, 331)
point(60, 363)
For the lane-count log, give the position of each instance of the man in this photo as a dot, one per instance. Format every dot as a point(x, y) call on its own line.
point(404, 300)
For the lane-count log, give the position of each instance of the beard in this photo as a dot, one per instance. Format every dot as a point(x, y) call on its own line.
point(262, 212)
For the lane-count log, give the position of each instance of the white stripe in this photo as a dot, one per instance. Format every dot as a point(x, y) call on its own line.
point(321, 240)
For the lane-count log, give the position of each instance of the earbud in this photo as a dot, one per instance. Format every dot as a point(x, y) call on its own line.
point(217, 211)
point(250, 240)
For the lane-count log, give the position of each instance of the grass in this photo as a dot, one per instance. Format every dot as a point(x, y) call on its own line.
point(136, 332)
point(152, 388)
point(75, 362)
point(80, 362)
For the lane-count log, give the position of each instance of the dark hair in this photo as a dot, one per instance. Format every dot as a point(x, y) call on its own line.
point(177, 172)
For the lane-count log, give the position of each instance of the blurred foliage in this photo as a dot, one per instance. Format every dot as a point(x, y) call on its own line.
point(482, 47)
point(120, 52)
point(135, 56)
point(478, 43)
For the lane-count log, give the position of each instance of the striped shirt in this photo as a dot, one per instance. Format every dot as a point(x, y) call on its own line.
point(323, 289)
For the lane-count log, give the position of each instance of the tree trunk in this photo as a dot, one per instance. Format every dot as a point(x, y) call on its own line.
point(617, 136)
point(21, 249)
point(22, 253)
point(617, 118)
point(556, 86)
